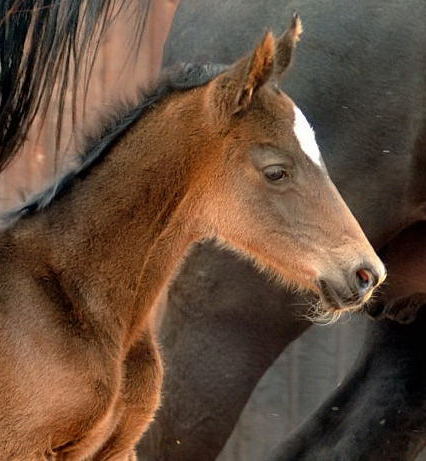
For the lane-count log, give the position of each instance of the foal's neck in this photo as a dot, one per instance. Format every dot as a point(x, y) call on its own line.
point(116, 238)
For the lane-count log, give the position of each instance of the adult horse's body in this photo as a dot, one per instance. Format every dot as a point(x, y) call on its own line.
point(379, 411)
point(361, 77)
point(213, 153)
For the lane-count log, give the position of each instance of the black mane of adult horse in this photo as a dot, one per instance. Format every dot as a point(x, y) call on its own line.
point(44, 46)
point(360, 77)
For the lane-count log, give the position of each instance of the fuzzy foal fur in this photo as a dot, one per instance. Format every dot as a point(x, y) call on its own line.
point(80, 373)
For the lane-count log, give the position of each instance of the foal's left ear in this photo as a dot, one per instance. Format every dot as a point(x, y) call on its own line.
point(286, 45)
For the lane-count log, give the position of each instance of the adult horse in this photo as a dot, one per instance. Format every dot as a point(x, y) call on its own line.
point(360, 76)
point(211, 153)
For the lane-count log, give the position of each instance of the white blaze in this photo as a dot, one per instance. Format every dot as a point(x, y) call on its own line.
point(306, 137)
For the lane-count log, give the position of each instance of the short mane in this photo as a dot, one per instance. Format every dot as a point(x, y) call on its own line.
point(178, 78)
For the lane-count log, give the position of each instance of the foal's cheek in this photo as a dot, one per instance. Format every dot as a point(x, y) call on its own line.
point(286, 204)
point(247, 186)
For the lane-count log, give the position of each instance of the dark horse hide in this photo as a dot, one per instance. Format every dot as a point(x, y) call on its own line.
point(360, 76)
point(43, 44)
point(379, 411)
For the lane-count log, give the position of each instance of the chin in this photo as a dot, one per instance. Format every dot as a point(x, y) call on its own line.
point(325, 313)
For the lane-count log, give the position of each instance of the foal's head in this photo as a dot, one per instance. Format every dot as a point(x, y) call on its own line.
point(266, 189)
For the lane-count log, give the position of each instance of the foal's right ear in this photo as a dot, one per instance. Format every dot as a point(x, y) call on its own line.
point(235, 89)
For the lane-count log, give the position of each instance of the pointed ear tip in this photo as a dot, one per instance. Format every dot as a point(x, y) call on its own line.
point(267, 46)
point(268, 41)
point(296, 26)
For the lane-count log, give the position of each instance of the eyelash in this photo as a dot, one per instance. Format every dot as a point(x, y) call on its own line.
point(279, 171)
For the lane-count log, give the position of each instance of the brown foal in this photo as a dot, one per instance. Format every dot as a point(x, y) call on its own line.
point(225, 156)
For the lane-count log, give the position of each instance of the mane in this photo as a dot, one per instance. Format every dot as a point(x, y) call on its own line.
point(114, 125)
point(42, 40)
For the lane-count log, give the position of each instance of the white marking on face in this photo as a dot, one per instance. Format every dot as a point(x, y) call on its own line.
point(306, 137)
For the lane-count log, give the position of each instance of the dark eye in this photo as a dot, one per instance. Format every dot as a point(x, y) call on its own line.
point(275, 173)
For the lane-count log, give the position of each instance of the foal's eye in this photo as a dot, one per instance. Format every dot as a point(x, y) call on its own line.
point(275, 173)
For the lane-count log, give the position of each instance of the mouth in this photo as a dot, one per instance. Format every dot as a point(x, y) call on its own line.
point(333, 301)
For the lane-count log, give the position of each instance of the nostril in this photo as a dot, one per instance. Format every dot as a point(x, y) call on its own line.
point(365, 279)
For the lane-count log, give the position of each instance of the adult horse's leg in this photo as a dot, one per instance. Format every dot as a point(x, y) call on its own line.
point(380, 410)
point(231, 327)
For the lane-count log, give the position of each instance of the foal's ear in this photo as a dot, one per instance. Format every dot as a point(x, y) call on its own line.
point(286, 45)
point(256, 71)
point(237, 87)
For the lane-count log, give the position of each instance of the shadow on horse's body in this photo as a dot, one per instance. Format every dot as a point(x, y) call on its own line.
point(363, 83)
point(214, 153)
